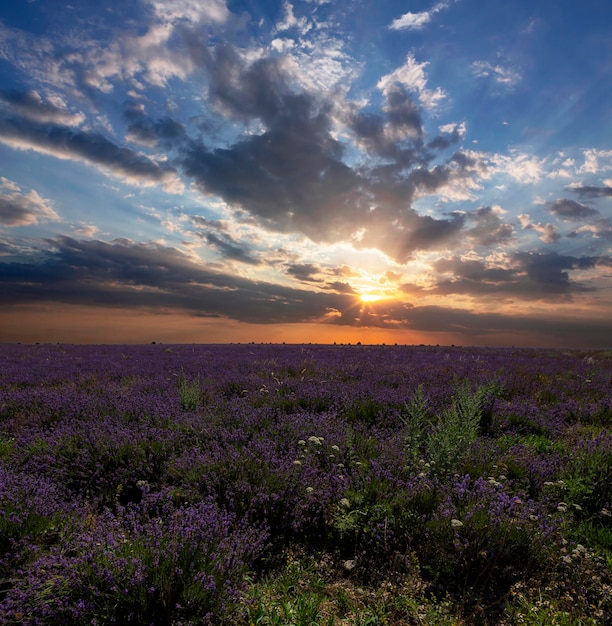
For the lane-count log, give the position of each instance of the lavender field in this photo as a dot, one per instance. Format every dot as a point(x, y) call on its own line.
point(304, 485)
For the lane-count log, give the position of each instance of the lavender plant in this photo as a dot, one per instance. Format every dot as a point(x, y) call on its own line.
point(410, 483)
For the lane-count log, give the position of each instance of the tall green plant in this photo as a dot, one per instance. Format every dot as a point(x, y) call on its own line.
point(189, 392)
point(417, 419)
point(459, 425)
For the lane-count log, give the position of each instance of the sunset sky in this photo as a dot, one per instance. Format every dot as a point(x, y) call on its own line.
point(310, 171)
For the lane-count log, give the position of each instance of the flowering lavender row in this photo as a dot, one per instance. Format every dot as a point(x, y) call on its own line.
point(146, 484)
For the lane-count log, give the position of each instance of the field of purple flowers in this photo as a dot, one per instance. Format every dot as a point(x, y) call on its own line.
point(305, 485)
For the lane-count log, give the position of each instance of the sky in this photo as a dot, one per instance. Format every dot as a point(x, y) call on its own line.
point(208, 171)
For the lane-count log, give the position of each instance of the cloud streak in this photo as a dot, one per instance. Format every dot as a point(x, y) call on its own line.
point(63, 142)
point(416, 21)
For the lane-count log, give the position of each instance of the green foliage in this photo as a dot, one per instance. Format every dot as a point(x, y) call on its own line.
point(417, 419)
point(6, 446)
point(17, 523)
point(301, 610)
point(459, 425)
point(189, 392)
point(596, 535)
point(588, 479)
point(523, 425)
point(481, 556)
point(364, 410)
point(443, 440)
point(295, 596)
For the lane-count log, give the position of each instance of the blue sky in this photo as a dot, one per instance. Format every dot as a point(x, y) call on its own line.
point(419, 172)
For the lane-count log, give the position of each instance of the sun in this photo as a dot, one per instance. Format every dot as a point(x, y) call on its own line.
point(370, 297)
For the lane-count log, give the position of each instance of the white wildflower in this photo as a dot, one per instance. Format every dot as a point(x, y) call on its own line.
point(455, 523)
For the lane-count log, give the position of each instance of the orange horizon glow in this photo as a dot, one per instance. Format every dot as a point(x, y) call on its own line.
point(80, 324)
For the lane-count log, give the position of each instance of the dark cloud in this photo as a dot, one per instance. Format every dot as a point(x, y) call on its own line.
point(396, 134)
point(475, 327)
point(236, 88)
point(65, 142)
point(16, 212)
point(19, 209)
point(429, 231)
point(127, 274)
point(311, 273)
point(229, 249)
point(527, 276)
point(306, 272)
point(489, 229)
point(205, 223)
point(148, 131)
point(292, 176)
point(400, 233)
point(30, 105)
point(474, 270)
point(442, 142)
point(340, 287)
point(593, 192)
point(403, 116)
point(548, 272)
point(571, 210)
point(289, 178)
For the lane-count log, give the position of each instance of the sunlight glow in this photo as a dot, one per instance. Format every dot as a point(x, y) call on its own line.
point(370, 297)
